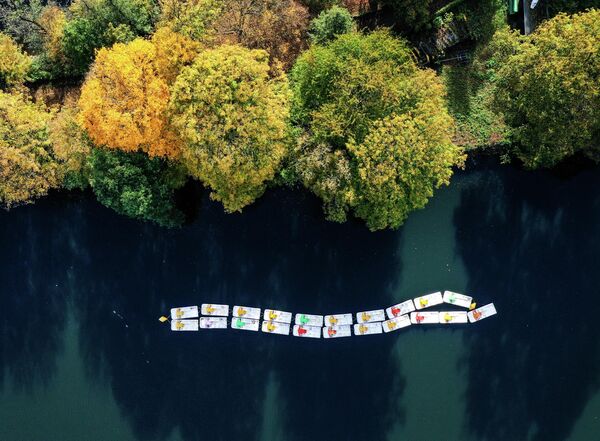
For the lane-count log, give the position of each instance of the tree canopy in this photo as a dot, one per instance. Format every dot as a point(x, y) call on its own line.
point(27, 168)
point(233, 119)
point(277, 26)
point(124, 100)
point(331, 23)
point(548, 89)
point(100, 23)
point(14, 63)
point(137, 186)
point(368, 112)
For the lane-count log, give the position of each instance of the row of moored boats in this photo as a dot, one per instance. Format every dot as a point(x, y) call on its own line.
point(410, 312)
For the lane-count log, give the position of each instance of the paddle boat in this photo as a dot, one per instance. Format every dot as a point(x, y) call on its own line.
point(213, 323)
point(276, 328)
point(185, 312)
point(368, 328)
point(245, 324)
point(457, 299)
point(337, 331)
point(275, 315)
point(307, 331)
point(184, 325)
point(377, 315)
point(338, 319)
point(424, 318)
point(428, 300)
point(246, 312)
point(309, 320)
point(400, 309)
point(452, 317)
point(481, 313)
point(215, 310)
point(396, 323)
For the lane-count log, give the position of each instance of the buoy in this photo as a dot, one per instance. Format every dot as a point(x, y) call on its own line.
point(163, 319)
point(473, 306)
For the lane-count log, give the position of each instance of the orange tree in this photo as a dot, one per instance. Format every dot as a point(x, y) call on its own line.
point(123, 103)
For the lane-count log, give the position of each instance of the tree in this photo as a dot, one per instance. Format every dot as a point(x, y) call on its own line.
point(100, 23)
point(14, 64)
point(137, 186)
point(548, 89)
point(355, 98)
point(331, 23)
point(341, 88)
point(233, 119)
point(27, 168)
point(411, 15)
point(277, 26)
point(403, 159)
point(193, 18)
point(20, 19)
point(125, 98)
point(71, 148)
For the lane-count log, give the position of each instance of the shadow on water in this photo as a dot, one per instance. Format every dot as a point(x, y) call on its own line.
point(280, 253)
point(35, 267)
point(530, 242)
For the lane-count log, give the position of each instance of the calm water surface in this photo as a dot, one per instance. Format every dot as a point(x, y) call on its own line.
point(83, 357)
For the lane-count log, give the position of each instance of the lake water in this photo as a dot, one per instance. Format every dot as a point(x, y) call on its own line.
point(83, 356)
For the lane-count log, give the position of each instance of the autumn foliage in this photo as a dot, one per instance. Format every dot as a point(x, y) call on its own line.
point(124, 101)
point(233, 118)
point(27, 168)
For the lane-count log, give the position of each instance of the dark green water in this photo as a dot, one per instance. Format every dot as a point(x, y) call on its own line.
point(72, 369)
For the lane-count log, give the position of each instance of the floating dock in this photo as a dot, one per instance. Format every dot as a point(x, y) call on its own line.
point(377, 321)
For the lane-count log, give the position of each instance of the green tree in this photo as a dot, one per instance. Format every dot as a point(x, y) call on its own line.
point(402, 161)
point(99, 23)
point(14, 64)
point(548, 89)
point(27, 167)
point(354, 98)
point(137, 186)
point(233, 119)
point(410, 15)
point(331, 23)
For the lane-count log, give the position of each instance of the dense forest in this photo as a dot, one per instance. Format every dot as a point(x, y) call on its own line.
point(369, 104)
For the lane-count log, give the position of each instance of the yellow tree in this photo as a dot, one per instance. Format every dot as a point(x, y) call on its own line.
point(124, 101)
point(70, 147)
point(27, 168)
point(233, 118)
point(14, 64)
point(53, 20)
